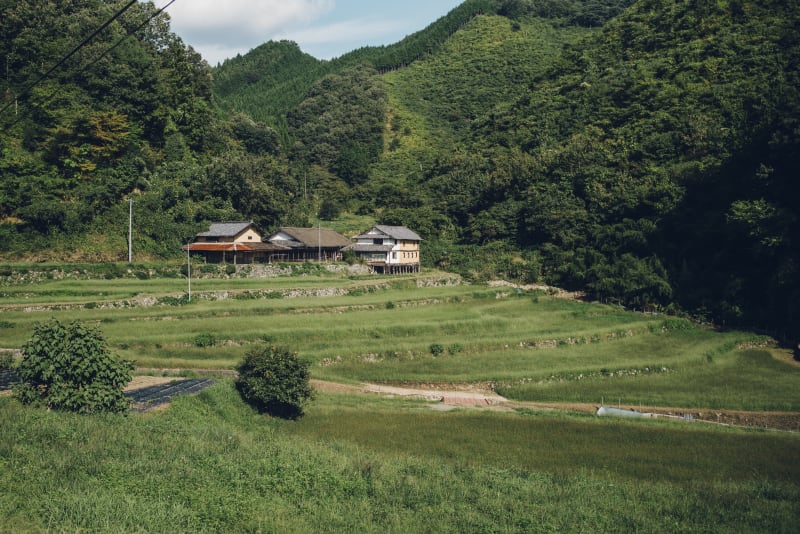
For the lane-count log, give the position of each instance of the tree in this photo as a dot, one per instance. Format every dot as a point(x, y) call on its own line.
point(275, 381)
point(70, 368)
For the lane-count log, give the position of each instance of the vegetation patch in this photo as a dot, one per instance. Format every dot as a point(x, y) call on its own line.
point(69, 367)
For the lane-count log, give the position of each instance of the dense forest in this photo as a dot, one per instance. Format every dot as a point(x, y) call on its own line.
point(643, 152)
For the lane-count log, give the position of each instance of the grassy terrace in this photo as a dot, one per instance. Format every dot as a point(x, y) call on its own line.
point(365, 463)
point(536, 347)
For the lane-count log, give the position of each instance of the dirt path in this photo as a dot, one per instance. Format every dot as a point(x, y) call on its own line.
point(450, 396)
point(142, 382)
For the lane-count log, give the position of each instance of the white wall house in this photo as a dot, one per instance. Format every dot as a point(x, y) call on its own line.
point(389, 249)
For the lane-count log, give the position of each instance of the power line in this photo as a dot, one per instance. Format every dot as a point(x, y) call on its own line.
point(49, 97)
point(71, 53)
point(120, 41)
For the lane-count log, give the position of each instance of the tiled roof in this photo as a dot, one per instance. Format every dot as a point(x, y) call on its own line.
point(311, 237)
point(234, 247)
point(395, 232)
point(218, 247)
point(226, 229)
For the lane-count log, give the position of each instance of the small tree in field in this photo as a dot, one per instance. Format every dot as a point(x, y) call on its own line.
point(70, 368)
point(275, 381)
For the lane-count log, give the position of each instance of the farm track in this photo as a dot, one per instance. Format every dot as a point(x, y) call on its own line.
point(481, 396)
point(151, 391)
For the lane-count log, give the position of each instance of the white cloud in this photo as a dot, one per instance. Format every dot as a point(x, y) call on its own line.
point(349, 31)
point(220, 29)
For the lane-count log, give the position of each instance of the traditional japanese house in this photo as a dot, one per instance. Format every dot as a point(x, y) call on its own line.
point(234, 242)
point(309, 244)
point(389, 249)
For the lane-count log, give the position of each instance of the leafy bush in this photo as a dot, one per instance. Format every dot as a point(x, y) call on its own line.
point(173, 301)
point(671, 324)
point(455, 348)
point(436, 349)
point(204, 340)
point(70, 368)
point(349, 256)
point(275, 381)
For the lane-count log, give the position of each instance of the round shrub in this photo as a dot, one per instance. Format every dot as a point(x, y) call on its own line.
point(436, 349)
point(275, 381)
point(70, 368)
point(205, 340)
point(455, 348)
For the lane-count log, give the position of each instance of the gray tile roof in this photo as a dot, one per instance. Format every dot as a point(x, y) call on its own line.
point(311, 237)
point(226, 229)
point(395, 232)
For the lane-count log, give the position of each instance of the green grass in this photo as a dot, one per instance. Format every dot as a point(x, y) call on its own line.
point(368, 464)
point(746, 379)
point(382, 329)
point(557, 444)
point(209, 463)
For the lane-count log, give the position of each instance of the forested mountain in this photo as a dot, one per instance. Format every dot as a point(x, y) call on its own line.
point(644, 152)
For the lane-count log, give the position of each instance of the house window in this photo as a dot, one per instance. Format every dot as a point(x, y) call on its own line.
point(394, 255)
point(377, 241)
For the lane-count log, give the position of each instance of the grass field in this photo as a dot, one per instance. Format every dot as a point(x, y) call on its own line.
point(209, 463)
point(366, 463)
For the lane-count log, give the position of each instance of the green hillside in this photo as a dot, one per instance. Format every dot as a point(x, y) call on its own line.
point(640, 151)
point(266, 82)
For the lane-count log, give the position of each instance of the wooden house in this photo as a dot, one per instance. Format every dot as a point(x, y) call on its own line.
point(309, 244)
point(236, 242)
point(389, 249)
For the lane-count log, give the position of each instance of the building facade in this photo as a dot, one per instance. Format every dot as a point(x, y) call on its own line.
point(389, 249)
point(309, 244)
point(236, 242)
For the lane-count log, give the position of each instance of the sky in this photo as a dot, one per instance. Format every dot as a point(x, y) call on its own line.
point(219, 29)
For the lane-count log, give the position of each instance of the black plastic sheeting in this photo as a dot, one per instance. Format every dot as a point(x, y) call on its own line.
point(141, 399)
point(146, 398)
point(8, 377)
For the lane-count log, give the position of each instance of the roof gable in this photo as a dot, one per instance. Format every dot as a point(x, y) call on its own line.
point(228, 229)
point(401, 233)
point(309, 237)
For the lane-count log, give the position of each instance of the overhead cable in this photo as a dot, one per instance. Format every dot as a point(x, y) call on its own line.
point(49, 97)
point(63, 60)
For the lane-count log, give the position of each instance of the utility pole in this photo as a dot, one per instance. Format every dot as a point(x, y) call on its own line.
point(189, 269)
point(130, 230)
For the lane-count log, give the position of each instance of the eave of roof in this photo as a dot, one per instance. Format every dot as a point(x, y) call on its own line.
point(372, 248)
point(398, 232)
point(218, 247)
